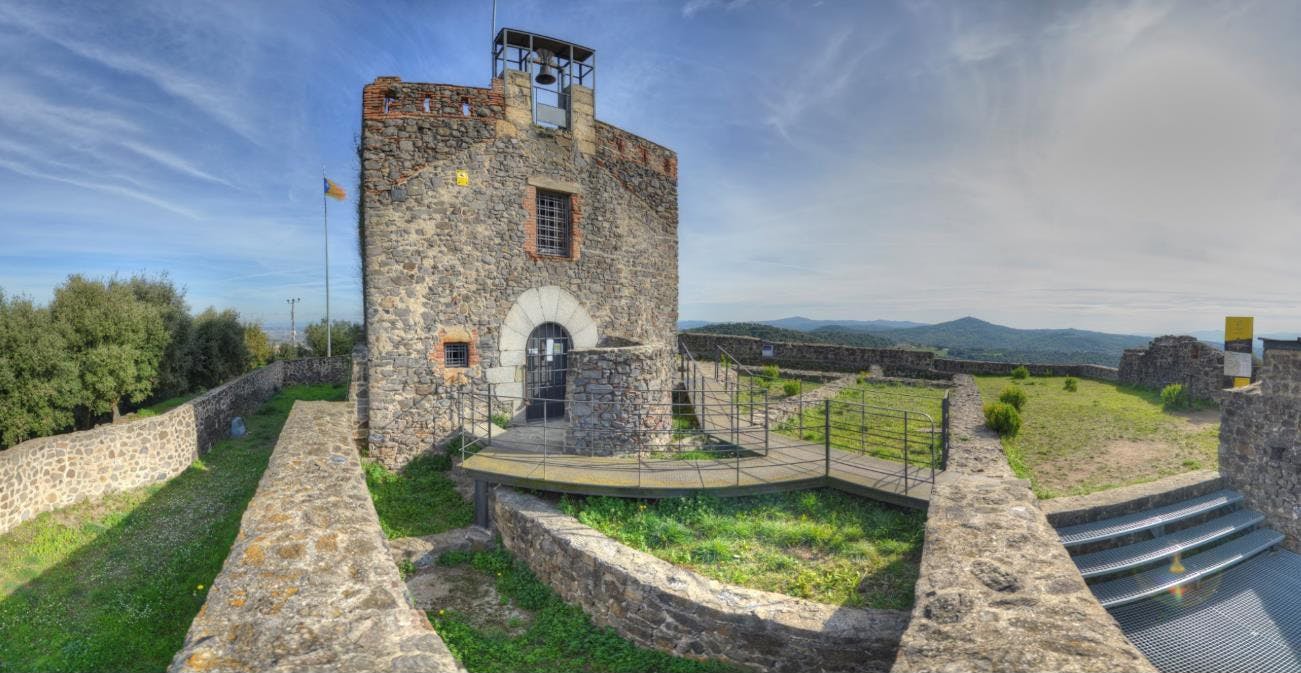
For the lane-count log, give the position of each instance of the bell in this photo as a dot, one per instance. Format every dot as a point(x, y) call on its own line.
point(544, 76)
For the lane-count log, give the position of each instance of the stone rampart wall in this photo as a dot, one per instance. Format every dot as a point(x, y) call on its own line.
point(1260, 443)
point(310, 371)
point(892, 361)
point(44, 474)
point(309, 584)
point(656, 604)
point(1175, 359)
point(997, 591)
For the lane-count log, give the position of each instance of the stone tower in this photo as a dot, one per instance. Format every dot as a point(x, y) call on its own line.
point(509, 237)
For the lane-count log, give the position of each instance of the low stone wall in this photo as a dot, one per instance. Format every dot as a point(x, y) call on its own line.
point(1113, 502)
point(821, 357)
point(309, 584)
point(43, 474)
point(982, 367)
point(891, 361)
point(791, 406)
point(1260, 443)
point(317, 370)
point(656, 604)
point(997, 591)
point(1175, 359)
point(619, 399)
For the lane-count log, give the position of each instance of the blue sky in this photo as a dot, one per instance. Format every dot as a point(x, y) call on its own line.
point(1126, 166)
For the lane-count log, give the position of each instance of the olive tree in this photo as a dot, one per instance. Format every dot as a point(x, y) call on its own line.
point(38, 381)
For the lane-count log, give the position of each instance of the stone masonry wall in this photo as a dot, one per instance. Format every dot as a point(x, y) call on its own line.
point(892, 361)
point(658, 605)
point(443, 258)
point(1260, 443)
point(309, 371)
point(997, 591)
point(1175, 359)
point(619, 400)
point(44, 474)
point(309, 584)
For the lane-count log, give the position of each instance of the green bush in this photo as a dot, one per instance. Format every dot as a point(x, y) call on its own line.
point(1174, 397)
point(1071, 384)
point(791, 388)
point(1002, 418)
point(863, 377)
point(770, 372)
point(1014, 396)
point(1020, 373)
point(500, 420)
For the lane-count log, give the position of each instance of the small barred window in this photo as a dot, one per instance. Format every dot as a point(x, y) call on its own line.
point(456, 355)
point(553, 223)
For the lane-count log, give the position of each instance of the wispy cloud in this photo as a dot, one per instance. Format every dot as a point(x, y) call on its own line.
point(694, 7)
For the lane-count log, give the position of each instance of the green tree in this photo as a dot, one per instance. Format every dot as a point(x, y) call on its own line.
point(288, 351)
point(115, 341)
point(344, 336)
point(217, 350)
point(258, 346)
point(38, 380)
point(174, 368)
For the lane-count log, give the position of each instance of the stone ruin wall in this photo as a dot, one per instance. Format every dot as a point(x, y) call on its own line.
point(1260, 443)
point(309, 584)
point(1175, 359)
point(441, 258)
point(892, 361)
point(47, 473)
point(619, 400)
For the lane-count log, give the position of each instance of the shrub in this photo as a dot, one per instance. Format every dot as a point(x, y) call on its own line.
point(791, 388)
point(1071, 384)
point(500, 420)
point(1002, 418)
point(863, 377)
point(1020, 373)
point(770, 372)
point(1174, 397)
point(1014, 396)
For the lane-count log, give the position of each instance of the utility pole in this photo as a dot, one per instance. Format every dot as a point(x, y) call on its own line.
point(325, 225)
point(293, 325)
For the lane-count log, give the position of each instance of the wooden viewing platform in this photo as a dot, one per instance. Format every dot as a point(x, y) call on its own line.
point(769, 462)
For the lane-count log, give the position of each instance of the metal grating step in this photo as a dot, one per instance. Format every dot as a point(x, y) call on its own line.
point(1142, 553)
point(1246, 620)
point(1155, 581)
point(1107, 529)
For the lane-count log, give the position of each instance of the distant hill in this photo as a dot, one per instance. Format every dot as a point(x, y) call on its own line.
point(808, 324)
point(771, 333)
point(692, 324)
point(974, 339)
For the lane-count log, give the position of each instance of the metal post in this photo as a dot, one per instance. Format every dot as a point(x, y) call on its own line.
point(826, 435)
point(862, 425)
point(766, 422)
point(905, 451)
point(481, 515)
point(944, 433)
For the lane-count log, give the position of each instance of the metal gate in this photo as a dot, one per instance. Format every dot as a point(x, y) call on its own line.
point(548, 351)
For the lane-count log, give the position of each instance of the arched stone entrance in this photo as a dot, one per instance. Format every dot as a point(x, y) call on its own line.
point(533, 308)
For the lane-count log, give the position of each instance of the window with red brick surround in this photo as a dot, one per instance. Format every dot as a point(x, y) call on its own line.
point(544, 248)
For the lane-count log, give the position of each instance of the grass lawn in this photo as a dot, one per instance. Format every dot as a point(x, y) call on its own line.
point(877, 429)
point(113, 585)
point(1101, 436)
point(822, 545)
point(558, 637)
point(751, 388)
point(420, 500)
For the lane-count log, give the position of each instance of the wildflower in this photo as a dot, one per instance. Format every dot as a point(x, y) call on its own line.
point(200, 587)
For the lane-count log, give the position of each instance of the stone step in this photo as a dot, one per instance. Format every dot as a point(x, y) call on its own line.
point(1151, 519)
point(1165, 578)
point(1144, 553)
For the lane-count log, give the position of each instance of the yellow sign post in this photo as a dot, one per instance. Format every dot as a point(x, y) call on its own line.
point(1238, 332)
point(462, 178)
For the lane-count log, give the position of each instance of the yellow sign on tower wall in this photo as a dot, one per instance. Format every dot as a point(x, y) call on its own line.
point(462, 178)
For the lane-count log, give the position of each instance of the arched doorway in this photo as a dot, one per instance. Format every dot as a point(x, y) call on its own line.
point(546, 366)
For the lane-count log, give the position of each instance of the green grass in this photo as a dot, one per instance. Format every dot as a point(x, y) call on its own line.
point(420, 500)
point(158, 408)
point(750, 390)
point(113, 585)
point(822, 545)
point(560, 638)
point(1101, 436)
point(877, 429)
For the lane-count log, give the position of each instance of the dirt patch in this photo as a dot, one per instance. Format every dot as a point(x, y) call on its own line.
point(1118, 460)
point(470, 594)
point(1200, 419)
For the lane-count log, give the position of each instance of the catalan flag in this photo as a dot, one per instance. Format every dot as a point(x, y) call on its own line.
point(334, 190)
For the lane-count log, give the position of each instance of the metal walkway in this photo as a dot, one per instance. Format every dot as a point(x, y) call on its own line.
point(1208, 592)
point(751, 457)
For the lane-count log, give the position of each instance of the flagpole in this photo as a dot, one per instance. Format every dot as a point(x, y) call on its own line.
point(325, 225)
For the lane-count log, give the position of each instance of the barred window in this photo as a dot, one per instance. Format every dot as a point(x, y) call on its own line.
point(553, 223)
point(456, 355)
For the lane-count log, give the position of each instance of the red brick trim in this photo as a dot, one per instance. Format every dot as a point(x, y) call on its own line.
point(531, 227)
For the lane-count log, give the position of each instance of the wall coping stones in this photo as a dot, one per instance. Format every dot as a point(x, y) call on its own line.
point(658, 605)
point(1073, 510)
point(997, 591)
point(309, 584)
